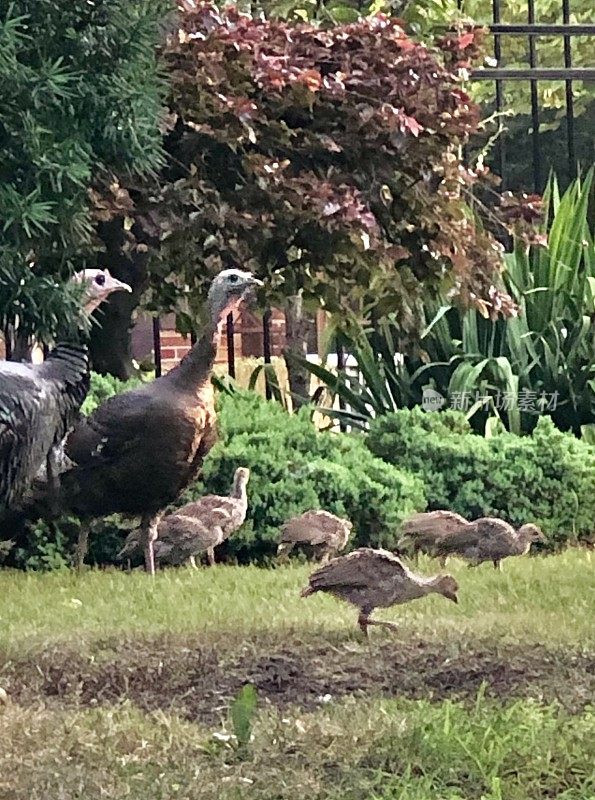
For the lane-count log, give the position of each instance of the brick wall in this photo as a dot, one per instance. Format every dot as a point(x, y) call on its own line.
point(248, 339)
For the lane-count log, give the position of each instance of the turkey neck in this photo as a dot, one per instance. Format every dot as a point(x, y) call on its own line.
point(238, 490)
point(194, 370)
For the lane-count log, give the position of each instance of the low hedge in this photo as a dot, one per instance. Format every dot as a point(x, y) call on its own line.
point(547, 477)
point(294, 467)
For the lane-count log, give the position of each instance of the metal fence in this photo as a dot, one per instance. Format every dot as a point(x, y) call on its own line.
point(533, 74)
point(498, 74)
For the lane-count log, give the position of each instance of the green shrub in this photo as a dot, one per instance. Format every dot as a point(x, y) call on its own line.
point(105, 386)
point(547, 477)
point(294, 467)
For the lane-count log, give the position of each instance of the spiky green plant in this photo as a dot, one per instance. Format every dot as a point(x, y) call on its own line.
point(512, 370)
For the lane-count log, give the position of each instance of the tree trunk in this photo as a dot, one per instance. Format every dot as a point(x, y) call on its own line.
point(22, 348)
point(296, 343)
point(110, 337)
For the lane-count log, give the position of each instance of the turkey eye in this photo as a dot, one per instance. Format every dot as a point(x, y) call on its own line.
point(233, 279)
point(100, 280)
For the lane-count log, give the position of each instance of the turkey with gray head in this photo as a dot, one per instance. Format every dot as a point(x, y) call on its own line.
point(138, 450)
point(39, 403)
point(197, 527)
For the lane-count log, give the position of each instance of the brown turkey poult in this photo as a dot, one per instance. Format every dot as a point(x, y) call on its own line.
point(420, 533)
point(370, 579)
point(321, 530)
point(485, 539)
point(196, 527)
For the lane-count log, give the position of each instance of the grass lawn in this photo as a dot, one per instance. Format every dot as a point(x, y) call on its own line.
point(120, 687)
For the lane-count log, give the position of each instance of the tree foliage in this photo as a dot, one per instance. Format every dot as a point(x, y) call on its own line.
point(328, 159)
point(80, 99)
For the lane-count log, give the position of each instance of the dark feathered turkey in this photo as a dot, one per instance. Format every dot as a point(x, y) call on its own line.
point(370, 579)
point(39, 403)
point(137, 451)
point(196, 527)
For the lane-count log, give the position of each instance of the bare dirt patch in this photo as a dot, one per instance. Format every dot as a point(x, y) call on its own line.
point(197, 682)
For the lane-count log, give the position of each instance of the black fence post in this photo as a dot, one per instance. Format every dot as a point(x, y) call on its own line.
point(157, 346)
point(534, 101)
point(7, 343)
point(341, 368)
point(501, 142)
point(266, 347)
point(572, 170)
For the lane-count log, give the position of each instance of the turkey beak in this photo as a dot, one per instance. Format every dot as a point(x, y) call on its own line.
point(452, 596)
point(251, 285)
point(114, 285)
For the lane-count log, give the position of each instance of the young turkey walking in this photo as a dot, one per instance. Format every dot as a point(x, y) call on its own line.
point(488, 539)
point(137, 451)
point(196, 527)
point(370, 579)
point(324, 532)
point(39, 403)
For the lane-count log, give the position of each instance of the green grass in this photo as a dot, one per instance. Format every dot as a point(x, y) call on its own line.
point(532, 598)
point(154, 667)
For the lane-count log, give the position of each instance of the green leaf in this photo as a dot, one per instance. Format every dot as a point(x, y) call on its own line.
point(242, 713)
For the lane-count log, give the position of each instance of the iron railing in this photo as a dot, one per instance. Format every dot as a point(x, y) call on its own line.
point(534, 74)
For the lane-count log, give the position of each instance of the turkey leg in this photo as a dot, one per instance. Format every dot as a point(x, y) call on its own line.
point(192, 562)
point(82, 546)
point(211, 556)
point(149, 534)
point(364, 621)
point(53, 480)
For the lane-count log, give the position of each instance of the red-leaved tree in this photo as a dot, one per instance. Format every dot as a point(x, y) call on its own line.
point(328, 160)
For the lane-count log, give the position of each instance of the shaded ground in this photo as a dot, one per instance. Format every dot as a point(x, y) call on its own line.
point(197, 682)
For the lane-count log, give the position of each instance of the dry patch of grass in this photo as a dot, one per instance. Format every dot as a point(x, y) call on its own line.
point(197, 682)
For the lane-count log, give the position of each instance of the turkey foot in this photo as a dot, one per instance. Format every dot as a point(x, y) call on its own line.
point(364, 622)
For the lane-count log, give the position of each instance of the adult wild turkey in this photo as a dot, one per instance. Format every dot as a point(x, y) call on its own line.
point(421, 532)
point(370, 579)
point(39, 403)
point(324, 532)
point(488, 539)
point(196, 527)
point(137, 451)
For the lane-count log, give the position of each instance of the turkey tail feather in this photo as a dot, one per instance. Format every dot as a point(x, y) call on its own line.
point(68, 363)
